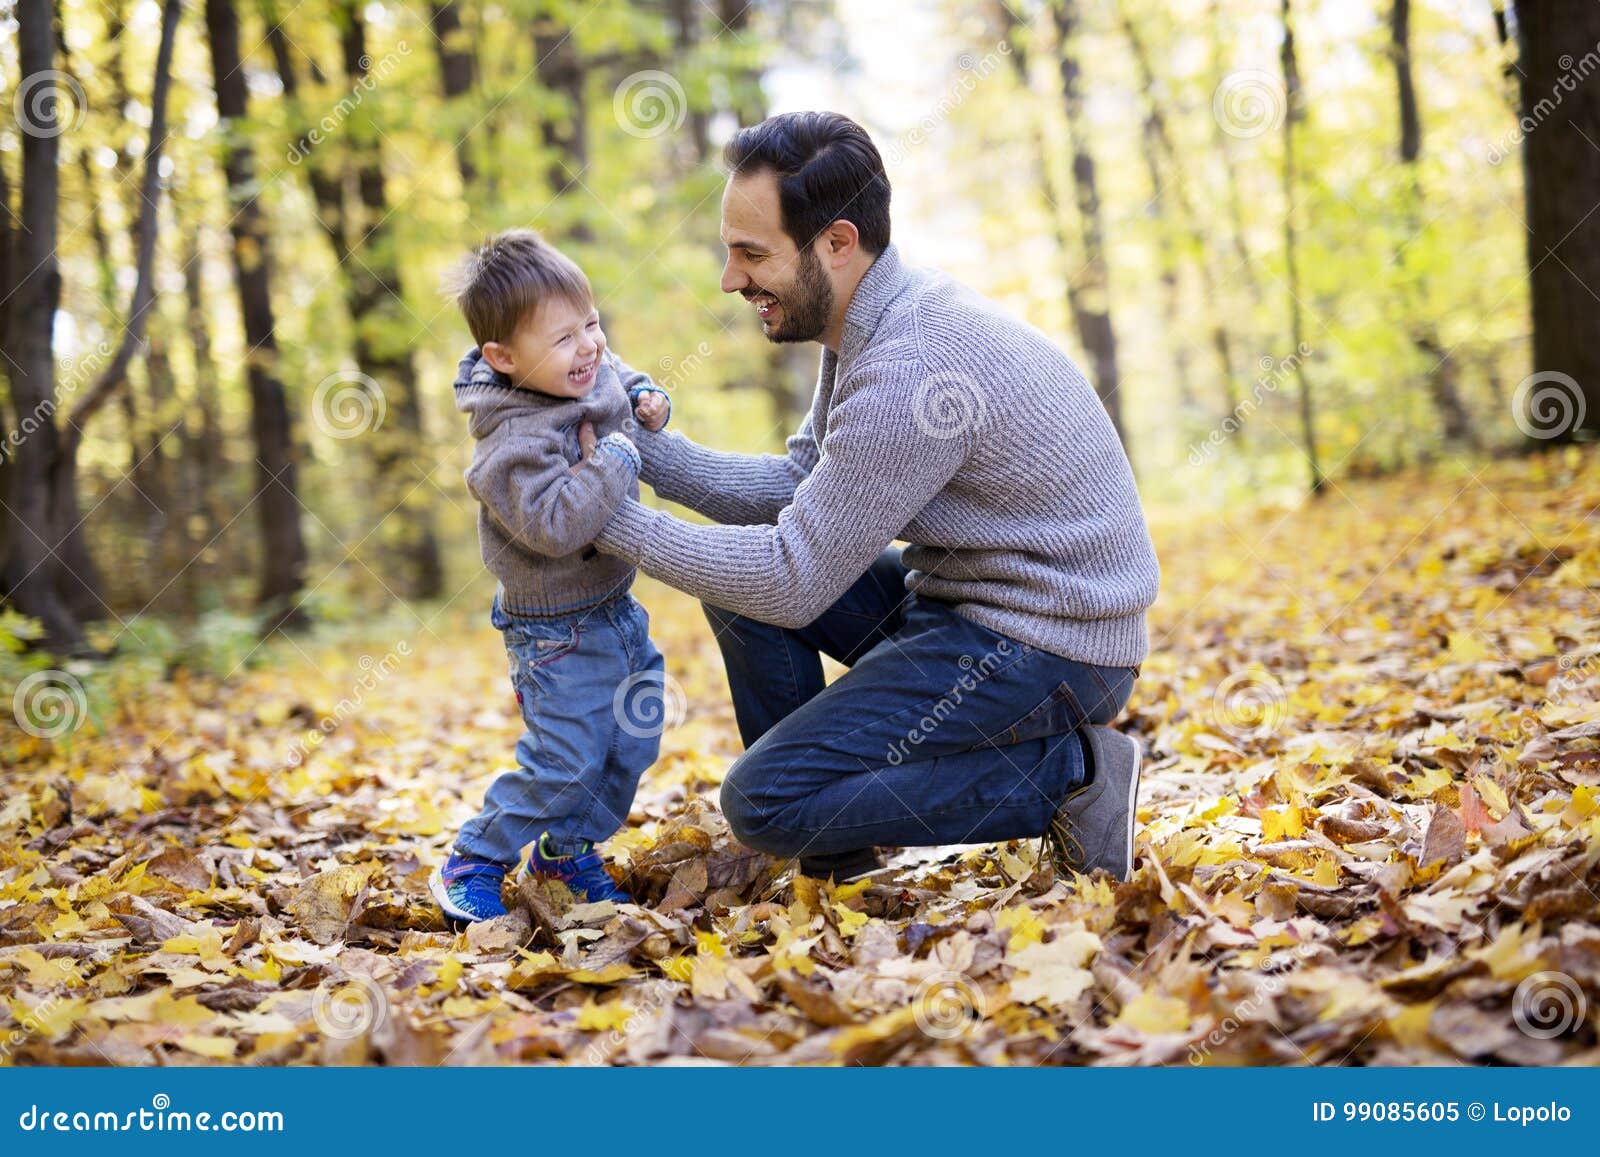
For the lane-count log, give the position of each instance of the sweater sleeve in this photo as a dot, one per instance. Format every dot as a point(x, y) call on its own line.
point(541, 503)
point(722, 485)
point(879, 466)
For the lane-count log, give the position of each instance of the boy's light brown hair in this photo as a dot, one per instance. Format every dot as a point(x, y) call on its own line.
point(506, 278)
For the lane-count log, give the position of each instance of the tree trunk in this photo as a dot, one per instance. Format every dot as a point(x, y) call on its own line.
point(1561, 102)
point(203, 441)
point(458, 71)
point(276, 494)
point(144, 292)
point(560, 70)
point(1441, 370)
point(1090, 290)
point(1295, 112)
point(383, 328)
point(34, 573)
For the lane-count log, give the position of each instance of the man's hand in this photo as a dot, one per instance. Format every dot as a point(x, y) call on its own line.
point(651, 410)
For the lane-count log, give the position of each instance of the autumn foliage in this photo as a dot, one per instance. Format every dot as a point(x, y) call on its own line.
point(1369, 835)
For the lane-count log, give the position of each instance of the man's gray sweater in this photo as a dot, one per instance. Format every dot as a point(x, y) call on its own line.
point(945, 423)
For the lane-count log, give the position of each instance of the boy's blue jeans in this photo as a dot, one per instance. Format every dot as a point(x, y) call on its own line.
point(592, 692)
point(941, 732)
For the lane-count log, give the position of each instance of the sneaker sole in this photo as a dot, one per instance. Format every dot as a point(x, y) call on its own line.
point(442, 898)
point(1133, 804)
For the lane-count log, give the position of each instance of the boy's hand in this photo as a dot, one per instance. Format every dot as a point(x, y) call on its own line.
point(651, 410)
point(586, 445)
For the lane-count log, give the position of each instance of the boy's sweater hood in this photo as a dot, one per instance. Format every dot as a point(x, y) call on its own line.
point(488, 398)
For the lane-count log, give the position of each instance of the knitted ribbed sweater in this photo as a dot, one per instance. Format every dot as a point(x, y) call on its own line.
point(942, 422)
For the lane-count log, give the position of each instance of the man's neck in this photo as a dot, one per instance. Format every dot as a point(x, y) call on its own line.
point(833, 336)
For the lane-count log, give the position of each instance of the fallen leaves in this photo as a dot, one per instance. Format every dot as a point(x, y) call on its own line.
point(1370, 833)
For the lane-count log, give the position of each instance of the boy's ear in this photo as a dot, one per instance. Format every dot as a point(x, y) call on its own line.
point(498, 356)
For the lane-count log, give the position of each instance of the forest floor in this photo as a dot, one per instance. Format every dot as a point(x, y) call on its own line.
point(1369, 835)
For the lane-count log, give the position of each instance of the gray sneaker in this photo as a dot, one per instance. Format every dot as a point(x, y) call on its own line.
point(1093, 828)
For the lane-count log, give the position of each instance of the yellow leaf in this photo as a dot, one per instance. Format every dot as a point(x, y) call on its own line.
point(1286, 823)
point(1153, 1012)
point(709, 944)
point(850, 921)
point(45, 972)
point(1025, 926)
point(1054, 973)
point(610, 1017)
point(450, 970)
point(216, 1047)
point(50, 1018)
point(679, 968)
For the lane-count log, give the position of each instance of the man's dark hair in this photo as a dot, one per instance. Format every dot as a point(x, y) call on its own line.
point(828, 170)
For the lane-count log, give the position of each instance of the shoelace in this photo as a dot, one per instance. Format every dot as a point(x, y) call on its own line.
point(589, 873)
point(1061, 837)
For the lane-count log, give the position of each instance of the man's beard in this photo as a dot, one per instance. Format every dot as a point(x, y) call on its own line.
point(808, 307)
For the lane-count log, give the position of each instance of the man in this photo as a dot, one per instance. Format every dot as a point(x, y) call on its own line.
point(985, 662)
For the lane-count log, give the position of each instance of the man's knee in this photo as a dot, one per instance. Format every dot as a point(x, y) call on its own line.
point(752, 808)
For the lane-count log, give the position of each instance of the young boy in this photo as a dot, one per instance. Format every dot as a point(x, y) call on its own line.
point(538, 380)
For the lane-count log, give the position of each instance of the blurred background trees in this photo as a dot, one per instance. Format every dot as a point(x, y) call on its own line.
point(1288, 240)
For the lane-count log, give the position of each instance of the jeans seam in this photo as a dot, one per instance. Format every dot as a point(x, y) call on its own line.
point(920, 703)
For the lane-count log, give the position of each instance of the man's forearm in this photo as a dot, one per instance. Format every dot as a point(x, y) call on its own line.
point(737, 489)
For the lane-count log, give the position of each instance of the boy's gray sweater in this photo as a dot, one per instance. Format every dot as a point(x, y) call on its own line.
point(537, 516)
point(942, 422)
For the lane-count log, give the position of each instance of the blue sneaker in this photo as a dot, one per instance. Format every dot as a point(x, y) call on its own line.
point(468, 887)
point(584, 872)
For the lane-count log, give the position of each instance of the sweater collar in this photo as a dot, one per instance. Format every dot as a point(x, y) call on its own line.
point(884, 281)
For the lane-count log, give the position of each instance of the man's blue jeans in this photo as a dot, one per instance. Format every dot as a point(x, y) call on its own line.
point(591, 688)
point(941, 732)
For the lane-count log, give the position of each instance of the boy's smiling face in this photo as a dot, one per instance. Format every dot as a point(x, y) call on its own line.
point(556, 350)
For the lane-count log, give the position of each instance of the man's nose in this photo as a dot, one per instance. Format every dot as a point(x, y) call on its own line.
point(733, 280)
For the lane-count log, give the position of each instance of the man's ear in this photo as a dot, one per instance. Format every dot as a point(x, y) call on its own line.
point(499, 357)
point(840, 242)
